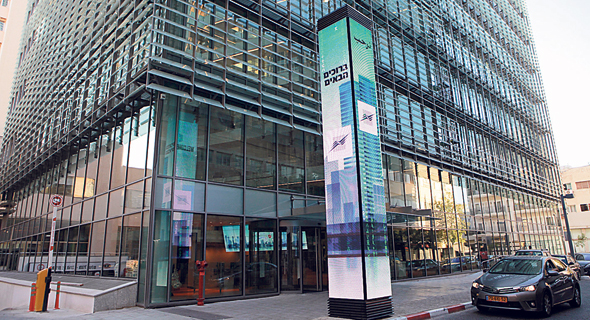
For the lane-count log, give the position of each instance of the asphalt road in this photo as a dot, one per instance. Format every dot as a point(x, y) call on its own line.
point(563, 311)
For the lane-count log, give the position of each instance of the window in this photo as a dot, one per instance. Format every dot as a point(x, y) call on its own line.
point(187, 246)
point(226, 152)
point(583, 185)
point(582, 257)
point(571, 209)
point(1, 25)
point(223, 253)
point(567, 186)
point(477, 208)
point(559, 264)
point(584, 207)
point(4, 4)
point(551, 265)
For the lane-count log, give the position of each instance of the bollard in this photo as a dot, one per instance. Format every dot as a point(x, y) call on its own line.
point(57, 295)
point(33, 294)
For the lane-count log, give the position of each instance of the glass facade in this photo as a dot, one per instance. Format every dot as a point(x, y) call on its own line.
point(100, 226)
point(470, 223)
point(182, 130)
point(252, 165)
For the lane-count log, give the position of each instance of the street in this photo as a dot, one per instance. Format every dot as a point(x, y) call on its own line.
point(563, 311)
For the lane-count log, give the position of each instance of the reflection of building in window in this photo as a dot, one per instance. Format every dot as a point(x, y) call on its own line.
point(134, 199)
point(582, 185)
point(75, 187)
point(584, 207)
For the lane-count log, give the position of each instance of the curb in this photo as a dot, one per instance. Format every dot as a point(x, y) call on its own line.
point(436, 312)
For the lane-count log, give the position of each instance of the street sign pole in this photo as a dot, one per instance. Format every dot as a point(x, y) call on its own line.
point(567, 223)
point(56, 201)
point(51, 242)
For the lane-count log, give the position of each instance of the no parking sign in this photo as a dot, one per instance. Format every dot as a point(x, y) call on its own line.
point(56, 200)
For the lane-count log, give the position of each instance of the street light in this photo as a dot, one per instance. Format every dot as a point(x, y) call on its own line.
point(567, 223)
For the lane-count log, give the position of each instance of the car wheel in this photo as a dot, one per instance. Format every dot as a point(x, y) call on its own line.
point(547, 306)
point(483, 309)
point(577, 299)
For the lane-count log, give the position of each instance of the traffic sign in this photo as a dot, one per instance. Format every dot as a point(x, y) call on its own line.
point(56, 200)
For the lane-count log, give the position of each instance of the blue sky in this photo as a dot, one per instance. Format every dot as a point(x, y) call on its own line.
point(562, 39)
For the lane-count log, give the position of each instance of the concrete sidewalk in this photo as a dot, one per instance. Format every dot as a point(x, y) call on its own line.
point(409, 297)
point(421, 295)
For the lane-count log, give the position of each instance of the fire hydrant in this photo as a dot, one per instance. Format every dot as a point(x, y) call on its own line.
point(201, 265)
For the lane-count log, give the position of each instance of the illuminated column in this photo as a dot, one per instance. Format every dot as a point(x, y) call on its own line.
point(356, 222)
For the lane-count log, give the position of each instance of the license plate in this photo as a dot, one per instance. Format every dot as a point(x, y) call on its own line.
point(497, 299)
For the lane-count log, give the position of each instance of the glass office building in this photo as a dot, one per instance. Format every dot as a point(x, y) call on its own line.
point(184, 130)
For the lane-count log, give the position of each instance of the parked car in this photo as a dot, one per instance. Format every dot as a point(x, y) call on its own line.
point(423, 267)
point(584, 261)
point(529, 283)
point(452, 265)
point(533, 252)
point(572, 263)
point(458, 263)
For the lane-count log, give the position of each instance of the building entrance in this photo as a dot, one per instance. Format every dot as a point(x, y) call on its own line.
point(303, 262)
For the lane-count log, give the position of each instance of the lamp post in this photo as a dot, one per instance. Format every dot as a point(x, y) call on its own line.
point(567, 223)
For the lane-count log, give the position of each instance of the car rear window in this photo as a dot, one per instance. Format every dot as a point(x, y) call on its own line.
point(529, 253)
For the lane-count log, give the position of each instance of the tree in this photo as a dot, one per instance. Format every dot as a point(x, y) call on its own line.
point(444, 212)
point(581, 241)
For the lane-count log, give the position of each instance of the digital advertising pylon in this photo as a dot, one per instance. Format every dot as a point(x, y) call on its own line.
point(356, 221)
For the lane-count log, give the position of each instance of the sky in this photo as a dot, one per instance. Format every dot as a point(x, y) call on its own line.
point(562, 37)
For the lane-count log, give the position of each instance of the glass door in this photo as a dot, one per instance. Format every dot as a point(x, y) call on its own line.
point(304, 263)
point(311, 255)
point(290, 258)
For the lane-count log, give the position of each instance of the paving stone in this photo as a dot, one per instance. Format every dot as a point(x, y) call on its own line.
point(408, 297)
